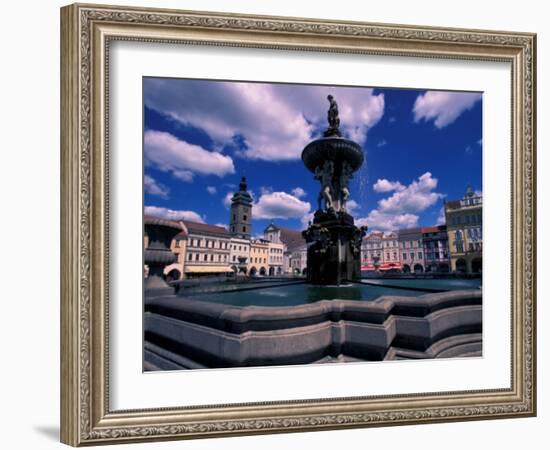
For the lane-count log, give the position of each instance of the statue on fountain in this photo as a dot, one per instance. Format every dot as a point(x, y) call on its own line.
point(334, 242)
point(324, 175)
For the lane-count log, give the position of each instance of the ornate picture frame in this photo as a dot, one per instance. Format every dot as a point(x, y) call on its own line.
point(87, 31)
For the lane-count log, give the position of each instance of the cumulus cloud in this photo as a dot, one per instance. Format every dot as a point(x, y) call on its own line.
point(172, 214)
point(416, 197)
point(280, 205)
point(269, 121)
point(211, 190)
point(298, 192)
point(380, 221)
point(153, 187)
point(170, 154)
point(227, 199)
point(401, 209)
point(443, 107)
point(383, 185)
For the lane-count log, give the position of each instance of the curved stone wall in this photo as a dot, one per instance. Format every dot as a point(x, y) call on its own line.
point(182, 333)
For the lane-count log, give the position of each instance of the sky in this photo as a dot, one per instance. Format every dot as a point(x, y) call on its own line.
point(421, 148)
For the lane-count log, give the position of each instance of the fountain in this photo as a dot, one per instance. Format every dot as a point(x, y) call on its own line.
point(334, 242)
point(253, 323)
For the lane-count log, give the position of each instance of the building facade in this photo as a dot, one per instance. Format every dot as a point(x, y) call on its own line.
point(239, 253)
point(436, 249)
point(259, 255)
point(390, 252)
point(411, 250)
point(464, 219)
point(272, 234)
point(240, 219)
point(207, 251)
point(371, 251)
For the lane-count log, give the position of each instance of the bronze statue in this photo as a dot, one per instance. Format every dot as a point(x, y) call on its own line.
point(324, 175)
point(333, 119)
point(345, 176)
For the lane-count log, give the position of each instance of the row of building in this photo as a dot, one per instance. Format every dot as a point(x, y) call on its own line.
point(210, 250)
point(454, 247)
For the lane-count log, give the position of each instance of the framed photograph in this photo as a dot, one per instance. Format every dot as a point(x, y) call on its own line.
point(276, 224)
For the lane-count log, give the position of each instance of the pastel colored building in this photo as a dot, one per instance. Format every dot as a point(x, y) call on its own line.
point(464, 219)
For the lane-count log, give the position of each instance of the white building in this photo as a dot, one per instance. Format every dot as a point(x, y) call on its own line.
point(239, 254)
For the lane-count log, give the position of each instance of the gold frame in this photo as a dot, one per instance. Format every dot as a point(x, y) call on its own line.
point(86, 31)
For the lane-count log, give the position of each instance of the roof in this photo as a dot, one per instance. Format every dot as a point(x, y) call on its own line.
point(292, 238)
point(196, 227)
point(434, 229)
point(409, 231)
point(272, 226)
point(374, 234)
point(452, 204)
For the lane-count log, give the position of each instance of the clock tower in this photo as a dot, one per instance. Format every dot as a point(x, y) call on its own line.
point(240, 220)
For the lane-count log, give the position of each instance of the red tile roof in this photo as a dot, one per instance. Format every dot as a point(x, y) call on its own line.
point(292, 238)
point(204, 228)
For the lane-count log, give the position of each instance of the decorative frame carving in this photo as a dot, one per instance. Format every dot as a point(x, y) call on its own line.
point(86, 31)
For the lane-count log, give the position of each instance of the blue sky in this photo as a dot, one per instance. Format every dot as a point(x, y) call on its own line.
point(421, 147)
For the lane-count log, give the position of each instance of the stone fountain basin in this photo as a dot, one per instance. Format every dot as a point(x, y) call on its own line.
point(336, 149)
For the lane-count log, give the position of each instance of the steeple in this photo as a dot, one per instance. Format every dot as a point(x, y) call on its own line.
point(240, 220)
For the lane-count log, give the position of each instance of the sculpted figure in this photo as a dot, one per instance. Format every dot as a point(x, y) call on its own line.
point(324, 175)
point(346, 175)
point(333, 118)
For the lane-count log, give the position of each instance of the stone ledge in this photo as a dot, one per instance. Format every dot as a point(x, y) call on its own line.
point(202, 334)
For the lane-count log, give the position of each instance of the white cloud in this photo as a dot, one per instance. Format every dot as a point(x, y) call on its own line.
point(211, 190)
point(379, 221)
point(298, 192)
point(223, 225)
point(169, 154)
point(280, 205)
point(227, 199)
point(383, 185)
point(153, 187)
point(171, 214)
point(306, 219)
point(401, 209)
point(271, 121)
point(381, 143)
point(441, 217)
point(443, 107)
point(468, 150)
point(352, 206)
point(416, 197)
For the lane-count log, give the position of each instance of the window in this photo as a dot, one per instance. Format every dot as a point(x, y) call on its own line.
point(244, 217)
point(205, 257)
point(234, 258)
point(212, 257)
point(459, 243)
point(404, 256)
point(234, 217)
point(190, 256)
point(387, 256)
point(412, 255)
point(419, 255)
point(244, 229)
point(196, 257)
point(177, 243)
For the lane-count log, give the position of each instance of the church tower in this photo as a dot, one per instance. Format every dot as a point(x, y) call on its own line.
point(240, 221)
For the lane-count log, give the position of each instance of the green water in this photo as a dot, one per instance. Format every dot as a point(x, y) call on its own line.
point(299, 294)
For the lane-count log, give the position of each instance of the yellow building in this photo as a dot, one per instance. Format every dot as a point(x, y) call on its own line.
point(258, 263)
point(465, 232)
